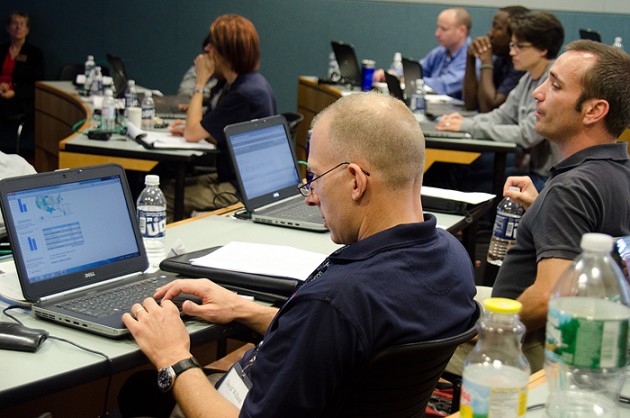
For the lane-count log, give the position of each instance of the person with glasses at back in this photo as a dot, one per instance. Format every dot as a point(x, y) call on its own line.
point(536, 39)
point(398, 279)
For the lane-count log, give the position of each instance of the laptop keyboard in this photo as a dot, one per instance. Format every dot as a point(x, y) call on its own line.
point(298, 212)
point(114, 301)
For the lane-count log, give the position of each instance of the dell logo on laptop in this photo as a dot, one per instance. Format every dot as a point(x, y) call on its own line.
point(276, 194)
point(90, 274)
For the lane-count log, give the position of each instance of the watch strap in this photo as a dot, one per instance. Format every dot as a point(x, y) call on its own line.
point(198, 91)
point(181, 366)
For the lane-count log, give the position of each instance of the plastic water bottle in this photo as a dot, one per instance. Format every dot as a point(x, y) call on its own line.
point(108, 111)
point(418, 103)
point(496, 372)
point(88, 68)
point(131, 95)
point(509, 214)
point(151, 210)
point(148, 111)
point(618, 43)
point(587, 334)
point(333, 68)
point(97, 82)
point(397, 68)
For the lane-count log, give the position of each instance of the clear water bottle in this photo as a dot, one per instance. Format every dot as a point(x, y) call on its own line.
point(496, 372)
point(88, 71)
point(131, 95)
point(418, 103)
point(151, 210)
point(618, 43)
point(509, 214)
point(586, 345)
point(97, 82)
point(148, 111)
point(397, 68)
point(108, 111)
point(333, 68)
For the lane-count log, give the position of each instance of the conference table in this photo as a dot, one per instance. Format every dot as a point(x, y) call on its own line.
point(314, 96)
point(68, 381)
point(62, 119)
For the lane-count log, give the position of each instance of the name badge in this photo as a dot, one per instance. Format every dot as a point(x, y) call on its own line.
point(235, 386)
point(21, 58)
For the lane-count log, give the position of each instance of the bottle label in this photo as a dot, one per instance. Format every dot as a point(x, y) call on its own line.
point(586, 342)
point(152, 224)
point(505, 226)
point(481, 401)
point(148, 112)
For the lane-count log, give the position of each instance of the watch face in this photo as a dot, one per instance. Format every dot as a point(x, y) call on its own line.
point(165, 378)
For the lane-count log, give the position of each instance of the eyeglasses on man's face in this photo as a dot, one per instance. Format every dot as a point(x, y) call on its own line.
point(517, 46)
point(305, 189)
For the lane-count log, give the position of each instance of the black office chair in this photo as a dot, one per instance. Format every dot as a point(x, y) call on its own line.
point(69, 72)
point(590, 34)
point(398, 381)
point(293, 120)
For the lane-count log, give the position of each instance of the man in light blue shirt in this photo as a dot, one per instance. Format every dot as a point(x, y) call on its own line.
point(445, 65)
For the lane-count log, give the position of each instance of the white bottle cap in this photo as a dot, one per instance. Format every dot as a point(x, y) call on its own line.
point(148, 93)
point(152, 180)
point(131, 83)
point(617, 39)
point(397, 56)
point(109, 92)
point(594, 241)
point(90, 57)
point(515, 188)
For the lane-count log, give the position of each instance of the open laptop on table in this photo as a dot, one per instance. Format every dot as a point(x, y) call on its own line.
point(74, 236)
point(268, 174)
point(165, 106)
point(412, 71)
point(349, 68)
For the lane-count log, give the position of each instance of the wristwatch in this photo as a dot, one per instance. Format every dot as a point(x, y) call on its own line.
point(198, 91)
point(166, 376)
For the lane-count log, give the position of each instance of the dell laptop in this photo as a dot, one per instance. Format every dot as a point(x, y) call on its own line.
point(348, 65)
point(268, 174)
point(74, 237)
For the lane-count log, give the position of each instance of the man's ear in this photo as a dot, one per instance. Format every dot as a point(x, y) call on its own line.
point(360, 181)
point(594, 110)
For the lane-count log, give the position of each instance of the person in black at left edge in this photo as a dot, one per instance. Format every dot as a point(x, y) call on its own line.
point(22, 65)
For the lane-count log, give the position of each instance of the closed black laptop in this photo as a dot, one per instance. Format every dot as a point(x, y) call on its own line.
point(74, 237)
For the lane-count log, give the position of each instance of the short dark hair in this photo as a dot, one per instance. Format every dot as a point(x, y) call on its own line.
point(607, 79)
point(19, 13)
point(235, 38)
point(514, 10)
point(543, 30)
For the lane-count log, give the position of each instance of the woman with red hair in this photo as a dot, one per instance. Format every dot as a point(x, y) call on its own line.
point(233, 54)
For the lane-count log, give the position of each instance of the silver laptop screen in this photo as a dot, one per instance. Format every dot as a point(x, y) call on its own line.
point(265, 161)
point(72, 227)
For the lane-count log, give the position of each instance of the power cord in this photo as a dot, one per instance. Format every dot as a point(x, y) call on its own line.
point(108, 360)
point(214, 199)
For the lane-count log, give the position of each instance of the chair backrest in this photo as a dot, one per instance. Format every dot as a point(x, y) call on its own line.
point(398, 381)
point(590, 34)
point(69, 72)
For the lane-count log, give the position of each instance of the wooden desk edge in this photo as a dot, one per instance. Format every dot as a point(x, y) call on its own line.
point(44, 85)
